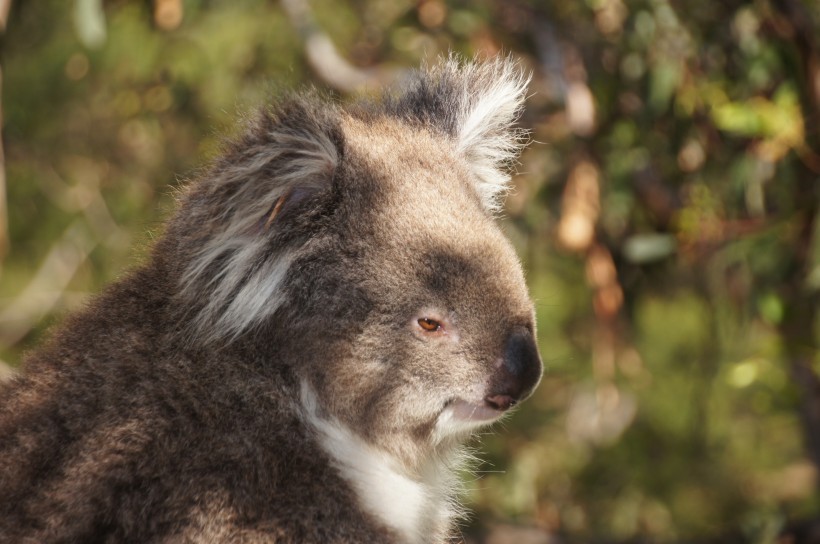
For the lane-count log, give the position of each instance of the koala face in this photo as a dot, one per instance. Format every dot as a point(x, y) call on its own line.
point(447, 343)
point(356, 249)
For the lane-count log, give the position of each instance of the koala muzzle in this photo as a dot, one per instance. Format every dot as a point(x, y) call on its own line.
point(519, 373)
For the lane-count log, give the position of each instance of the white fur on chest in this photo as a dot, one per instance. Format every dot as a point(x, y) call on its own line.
point(418, 510)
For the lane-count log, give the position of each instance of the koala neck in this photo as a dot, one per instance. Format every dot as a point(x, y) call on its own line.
point(419, 507)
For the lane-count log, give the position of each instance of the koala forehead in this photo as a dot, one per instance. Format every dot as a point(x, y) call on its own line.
point(420, 184)
point(429, 222)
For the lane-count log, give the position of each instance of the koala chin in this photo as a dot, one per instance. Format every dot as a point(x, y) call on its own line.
point(329, 314)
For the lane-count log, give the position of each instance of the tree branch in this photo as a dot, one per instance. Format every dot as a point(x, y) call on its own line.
point(322, 54)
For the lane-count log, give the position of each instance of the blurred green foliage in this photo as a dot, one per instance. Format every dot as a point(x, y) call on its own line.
point(666, 213)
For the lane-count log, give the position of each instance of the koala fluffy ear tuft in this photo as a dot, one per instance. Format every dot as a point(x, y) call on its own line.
point(477, 104)
point(246, 212)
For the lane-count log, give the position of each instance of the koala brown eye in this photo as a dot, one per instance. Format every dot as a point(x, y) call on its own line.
point(429, 325)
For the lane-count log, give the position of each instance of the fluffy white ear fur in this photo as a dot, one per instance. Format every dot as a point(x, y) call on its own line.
point(234, 265)
point(491, 101)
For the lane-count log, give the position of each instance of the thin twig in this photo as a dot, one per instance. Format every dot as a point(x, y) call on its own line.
point(322, 54)
point(5, 7)
point(4, 217)
point(48, 285)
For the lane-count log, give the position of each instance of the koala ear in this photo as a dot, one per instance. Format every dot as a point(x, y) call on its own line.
point(240, 227)
point(477, 104)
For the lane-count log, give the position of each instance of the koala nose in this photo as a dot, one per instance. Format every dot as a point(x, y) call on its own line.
point(519, 373)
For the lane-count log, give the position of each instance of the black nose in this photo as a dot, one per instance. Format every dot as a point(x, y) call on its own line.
point(519, 373)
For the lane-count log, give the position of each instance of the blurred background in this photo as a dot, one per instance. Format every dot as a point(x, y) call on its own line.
point(666, 213)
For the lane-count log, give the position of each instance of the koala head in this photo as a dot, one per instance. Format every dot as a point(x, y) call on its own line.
point(354, 251)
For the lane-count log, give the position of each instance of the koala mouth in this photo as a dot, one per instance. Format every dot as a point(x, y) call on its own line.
point(463, 410)
point(460, 417)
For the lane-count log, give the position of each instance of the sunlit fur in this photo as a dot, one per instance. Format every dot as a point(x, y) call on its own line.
point(478, 103)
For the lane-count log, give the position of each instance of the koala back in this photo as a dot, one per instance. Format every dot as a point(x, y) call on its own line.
point(329, 314)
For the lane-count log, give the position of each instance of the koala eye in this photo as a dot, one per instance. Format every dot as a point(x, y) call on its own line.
point(429, 325)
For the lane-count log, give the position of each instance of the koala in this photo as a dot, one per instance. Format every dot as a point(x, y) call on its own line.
point(327, 317)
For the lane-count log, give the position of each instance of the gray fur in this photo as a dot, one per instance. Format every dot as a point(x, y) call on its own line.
point(265, 375)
